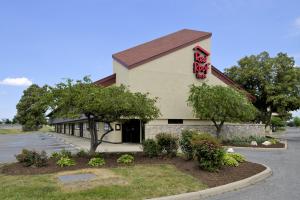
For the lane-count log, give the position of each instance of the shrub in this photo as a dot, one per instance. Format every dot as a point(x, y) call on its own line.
point(273, 141)
point(243, 141)
point(40, 159)
point(238, 157)
point(167, 144)
point(209, 154)
point(185, 143)
point(65, 153)
point(126, 159)
point(96, 162)
point(229, 161)
point(82, 153)
point(65, 162)
point(55, 155)
point(28, 158)
point(150, 148)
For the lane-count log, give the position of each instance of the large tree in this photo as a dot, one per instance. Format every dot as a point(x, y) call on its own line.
point(274, 81)
point(220, 104)
point(31, 109)
point(98, 104)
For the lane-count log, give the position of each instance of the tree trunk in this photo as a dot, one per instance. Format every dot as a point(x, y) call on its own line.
point(95, 142)
point(218, 127)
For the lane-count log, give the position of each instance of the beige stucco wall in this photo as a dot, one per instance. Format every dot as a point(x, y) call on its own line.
point(168, 78)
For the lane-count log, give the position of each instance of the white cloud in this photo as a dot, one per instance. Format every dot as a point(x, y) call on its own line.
point(22, 81)
point(297, 23)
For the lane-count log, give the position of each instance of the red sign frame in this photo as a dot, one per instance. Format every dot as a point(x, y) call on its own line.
point(200, 65)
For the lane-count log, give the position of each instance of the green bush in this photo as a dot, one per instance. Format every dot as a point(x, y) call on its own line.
point(209, 154)
point(65, 153)
point(277, 122)
point(96, 162)
point(55, 155)
point(238, 157)
point(243, 141)
point(167, 144)
point(126, 159)
point(82, 153)
point(150, 148)
point(65, 162)
point(28, 158)
point(185, 143)
point(228, 160)
point(40, 159)
point(273, 141)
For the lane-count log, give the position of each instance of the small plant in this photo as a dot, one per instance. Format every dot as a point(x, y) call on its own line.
point(229, 161)
point(244, 141)
point(28, 158)
point(96, 162)
point(40, 159)
point(273, 141)
point(167, 144)
point(150, 148)
point(65, 153)
point(185, 143)
point(65, 162)
point(126, 159)
point(238, 157)
point(209, 154)
point(55, 155)
point(82, 153)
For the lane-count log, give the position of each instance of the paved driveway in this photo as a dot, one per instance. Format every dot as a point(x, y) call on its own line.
point(285, 182)
point(12, 144)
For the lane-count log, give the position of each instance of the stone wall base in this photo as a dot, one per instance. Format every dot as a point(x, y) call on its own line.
point(228, 130)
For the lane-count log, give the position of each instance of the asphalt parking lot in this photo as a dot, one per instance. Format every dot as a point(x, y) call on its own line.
point(284, 184)
point(12, 144)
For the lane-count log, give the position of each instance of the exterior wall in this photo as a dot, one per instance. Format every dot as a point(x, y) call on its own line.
point(168, 78)
point(228, 130)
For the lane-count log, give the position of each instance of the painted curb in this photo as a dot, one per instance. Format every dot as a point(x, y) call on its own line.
point(260, 148)
point(220, 189)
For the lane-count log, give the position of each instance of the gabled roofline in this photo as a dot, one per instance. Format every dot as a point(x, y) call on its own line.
point(230, 82)
point(106, 81)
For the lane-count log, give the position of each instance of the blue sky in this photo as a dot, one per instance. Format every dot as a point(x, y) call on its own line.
point(45, 41)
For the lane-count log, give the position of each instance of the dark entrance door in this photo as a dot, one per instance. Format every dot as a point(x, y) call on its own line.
point(131, 131)
point(73, 129)
point(81, 129)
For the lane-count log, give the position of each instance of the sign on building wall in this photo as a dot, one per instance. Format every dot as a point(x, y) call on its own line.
point(200, 65)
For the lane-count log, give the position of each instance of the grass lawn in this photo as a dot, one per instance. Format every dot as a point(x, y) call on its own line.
point(144, 181)
point(16, 131)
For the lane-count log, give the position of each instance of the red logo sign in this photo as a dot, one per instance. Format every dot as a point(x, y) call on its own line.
point(200, 65)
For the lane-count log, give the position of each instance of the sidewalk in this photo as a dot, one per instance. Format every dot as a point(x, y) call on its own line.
point(84, 143)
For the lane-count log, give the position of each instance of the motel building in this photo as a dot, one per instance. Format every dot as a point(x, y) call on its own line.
point(165, 68)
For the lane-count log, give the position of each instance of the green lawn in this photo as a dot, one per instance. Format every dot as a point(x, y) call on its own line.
point(144, 181)
point(16, 131)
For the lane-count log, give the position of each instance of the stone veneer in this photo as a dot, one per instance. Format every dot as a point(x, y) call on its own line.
point(228, 130)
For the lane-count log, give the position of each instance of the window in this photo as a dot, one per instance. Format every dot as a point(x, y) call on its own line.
point(77, 126)
point(175, 121)
point(106, 127)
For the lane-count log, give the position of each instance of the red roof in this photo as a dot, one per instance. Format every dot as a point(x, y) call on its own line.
point(107, 81)
point(154, 49)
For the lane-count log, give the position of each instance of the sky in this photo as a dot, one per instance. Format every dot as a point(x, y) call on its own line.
point(43, 42)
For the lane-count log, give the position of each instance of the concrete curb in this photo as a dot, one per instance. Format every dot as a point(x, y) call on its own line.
point(260, 148)
point(221, 189)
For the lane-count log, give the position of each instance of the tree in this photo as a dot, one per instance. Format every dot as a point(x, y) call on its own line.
point(7, 121)
point(275, 82)
point(31, 108)
point(220, 104)
point(296, 121)
point(110, 104)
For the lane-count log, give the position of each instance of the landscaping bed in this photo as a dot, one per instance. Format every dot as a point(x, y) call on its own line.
point(277, 145)
point(225, 175)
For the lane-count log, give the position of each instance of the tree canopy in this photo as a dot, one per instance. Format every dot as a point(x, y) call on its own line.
point(31, 108)
point(274, 81)
point(220, 104)
point(71, 99)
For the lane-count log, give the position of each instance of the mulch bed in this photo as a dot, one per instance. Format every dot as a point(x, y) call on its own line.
point(211, 179)
point(278, 145)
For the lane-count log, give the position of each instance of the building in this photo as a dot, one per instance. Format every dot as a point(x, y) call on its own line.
point(164, 67)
